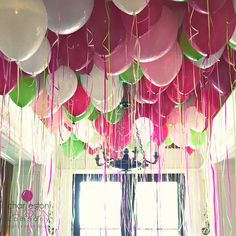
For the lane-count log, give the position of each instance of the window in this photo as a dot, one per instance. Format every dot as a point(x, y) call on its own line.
point(128, 204)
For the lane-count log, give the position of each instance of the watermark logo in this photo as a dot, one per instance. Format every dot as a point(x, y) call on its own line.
point(27, 195)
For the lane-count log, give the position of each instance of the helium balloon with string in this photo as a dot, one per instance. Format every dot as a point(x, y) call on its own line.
point(39, 61)
point(72, 148)
point(162, 71)
point(94, 115)
point(194, 120)
point(25, 92)
point(78, 104)
point(30, 16)
point(61, 85)
point(132, 75)
point(187, 79)
point(115, 63)
point(115, 115)
point(139, 24)
point(158, 40)
point(43, 106)
point(188, 50)
point(229, 56)
point(74, 49)
point(68, 16)
point(223, 78)
point(106, 18)
point(207, 62)
point(8, 76)
point(153, 88)
point(221, 28)
point(207, 7)
point(174, 95)
point(102, 126)
point(232, 41)
point(160, 134)
point(197, 139)
point(131, 7)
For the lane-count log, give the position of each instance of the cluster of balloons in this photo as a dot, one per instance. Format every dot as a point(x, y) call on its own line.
point(112, 73)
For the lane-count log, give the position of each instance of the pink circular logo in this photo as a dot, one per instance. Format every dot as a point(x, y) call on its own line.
point(27, 195)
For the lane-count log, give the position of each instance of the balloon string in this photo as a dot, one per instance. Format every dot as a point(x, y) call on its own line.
point(50, 178)
point(214, 200)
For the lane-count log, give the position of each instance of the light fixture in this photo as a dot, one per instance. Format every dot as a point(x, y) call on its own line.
point(126, 163)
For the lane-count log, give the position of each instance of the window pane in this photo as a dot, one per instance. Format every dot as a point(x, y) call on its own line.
point(100, 232)
point(99, 205)
point(157, 233)
point(157, 205)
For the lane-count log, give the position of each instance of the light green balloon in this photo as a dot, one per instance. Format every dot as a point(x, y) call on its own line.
point(25, 92)
point(72, 148)
point(74, 119)
point(197, 139)
point(232, 45)
point(189, 51)
point(94, 115)
point(115, 115)
point(132, 75)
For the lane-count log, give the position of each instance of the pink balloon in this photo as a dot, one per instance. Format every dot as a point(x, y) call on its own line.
point(53, 123)
point(86, 70)
point(229, 56)
point(223, 78)
point(187, 78)
point(27, 195)
point(75, 50)
point(140, 24)
point(8, 76)
point(116, 63)
point(124, 126)
point(189, 150)
point(78, 104)
point(178, 9)
point(145, 94)
point(209, 6)
point(197, 29)
point(117, 140)
point(160, 134)
point(164, 105)
point(158, 40)
point(175, 96)
point(101, 23)
point(102, 126)
point(43, 105)
point(162, 71)
point(153, 88)
point(175, 116)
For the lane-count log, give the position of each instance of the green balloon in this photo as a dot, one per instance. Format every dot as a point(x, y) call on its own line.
point(72, 148)
point(132, 75)
point(25, 91)
point(197, 139)
point(114, 116)
point(94, 115)
point(74, 119)
point(168, 140)
point(189, 51)
point(232, 45)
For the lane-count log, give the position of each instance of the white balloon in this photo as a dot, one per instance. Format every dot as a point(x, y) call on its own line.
point(194, 119)
point(112, 102)
point(65, 84)
point(131, 7)
point(23, 25)
point(85, 132)
point(39, 61)
point(205, 62)
point(179, 134)
point(68, 16)
point(145, 129)
point(64, 134)
point(97, 86)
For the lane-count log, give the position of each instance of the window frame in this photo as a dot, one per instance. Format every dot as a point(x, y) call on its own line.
point(128, 181)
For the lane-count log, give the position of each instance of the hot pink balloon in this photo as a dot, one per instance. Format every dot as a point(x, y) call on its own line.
point(86, 70)
point(207, 6)
point(153, 88)
point(53, 123)
point(101, 23)
point(222, 25)
point(78, 104)
point(8, 76)
point(140, 24)
point(164, 105)
point(158, 41)
point(229, 56)
point(175, 96)
point(189, 150)
point(124, 126)
point(75, 50)
point(27, 195)
point(223, 78)
point(102, 126)
point(162, 71)
point(187, 78)
point(145, 94)
point(160, 134)
point(116, 63)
